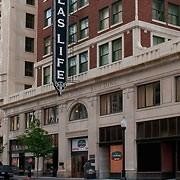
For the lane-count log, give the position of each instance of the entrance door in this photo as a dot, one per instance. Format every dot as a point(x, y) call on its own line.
point(78, 161)
point(168, 159)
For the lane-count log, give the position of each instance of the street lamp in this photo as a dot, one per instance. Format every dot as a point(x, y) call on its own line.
point(123, 127)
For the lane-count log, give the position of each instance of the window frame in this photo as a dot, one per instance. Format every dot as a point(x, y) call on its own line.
point(29, 44)
point(158, 13)
point(177, 79)
point(170, 14)
point(29, 118)
point(47, 45)
point(48, 76)
point(84, 31)
point(30, 20)
point(30, 2)
point(49, 114)
point(103, 19)
point(29, 69)
point(144, 99)
point(14, 123)
point(47, 17)
point(72, 35)
point(116, 14)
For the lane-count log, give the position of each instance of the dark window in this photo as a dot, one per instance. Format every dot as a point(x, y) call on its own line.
point(78, 112)
point(72, 66)
point(140, 130)
point(172, 126)
point(29, 67)
point(84, 28)
point(83, 62)
point(111, 103)
point(117, 12)
point(158, 10)
point(46, 75)
point(30, 2)
point(29, 20)
point(104, 18)
point(164, 127)
point(155, 128)
point(158, 40)
point(27, 86)
point(148, 129)
point(178, 89)
point(148, 95)
point(51, 115)
point(29, 44)
point(174, 14)
point(149, 157)
point(112, 134)
point(73, 4)
point(83, 3)
point(103, 54)
point(72, 37)
point(47, 45)
point(117, 50)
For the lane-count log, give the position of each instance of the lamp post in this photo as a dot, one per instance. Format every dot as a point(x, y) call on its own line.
point(123, 127)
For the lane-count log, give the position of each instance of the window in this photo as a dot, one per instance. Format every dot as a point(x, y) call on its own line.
point(72, 66)
point(27, 86)
point(158, 10)
point(72, 33)
point(174, 14)
point(47, 45)
point(103, 54)
point(117, 12)
point(29, 44)
point(178, 89)
point(14, 123)
point(29, 118)
point(51, 115)
point(111, 103)
point(30, 2)
point(83, 3)
point(116, 50)
point(47, 17)
point(73, 4)
point(148, 95)
point(84, 30)
point(29, 67)
point(83, 62)
point(78, 112)
point(158, 40)
point(46, 75)
point(104, 18)
point(30, 21)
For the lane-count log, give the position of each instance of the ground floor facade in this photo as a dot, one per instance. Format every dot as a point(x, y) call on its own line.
point(85, 123)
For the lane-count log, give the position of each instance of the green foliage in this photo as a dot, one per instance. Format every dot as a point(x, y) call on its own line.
point(36, 140)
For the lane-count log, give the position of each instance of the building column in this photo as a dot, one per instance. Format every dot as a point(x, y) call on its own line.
point(64, 153)
point(93, 145)
point(130, 136)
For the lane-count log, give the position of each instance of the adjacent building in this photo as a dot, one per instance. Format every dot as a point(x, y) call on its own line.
point(123, 63)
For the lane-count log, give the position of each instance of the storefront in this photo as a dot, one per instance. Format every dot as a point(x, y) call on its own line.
point(158, 148)
point(19, 159)
point(79, 154)
point(111, 151)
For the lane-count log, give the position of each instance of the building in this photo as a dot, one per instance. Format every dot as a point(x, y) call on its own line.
point(123, 62)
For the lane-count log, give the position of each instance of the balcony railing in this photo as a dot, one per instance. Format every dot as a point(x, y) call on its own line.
point(147, 55)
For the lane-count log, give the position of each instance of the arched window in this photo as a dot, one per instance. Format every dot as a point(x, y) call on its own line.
point(78, 112)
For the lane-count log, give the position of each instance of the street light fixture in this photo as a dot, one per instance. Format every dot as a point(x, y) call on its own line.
point(123, 127)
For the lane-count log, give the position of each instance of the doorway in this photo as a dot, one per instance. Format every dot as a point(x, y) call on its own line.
point(78, 161)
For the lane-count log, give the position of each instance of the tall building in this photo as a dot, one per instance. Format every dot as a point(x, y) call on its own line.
point(123, 64)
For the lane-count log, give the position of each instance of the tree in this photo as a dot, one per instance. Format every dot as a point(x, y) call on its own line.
point(36, 141)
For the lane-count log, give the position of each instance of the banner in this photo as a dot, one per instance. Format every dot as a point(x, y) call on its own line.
point(60, 44)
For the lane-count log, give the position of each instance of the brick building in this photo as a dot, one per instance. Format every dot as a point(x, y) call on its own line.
point(123, 62)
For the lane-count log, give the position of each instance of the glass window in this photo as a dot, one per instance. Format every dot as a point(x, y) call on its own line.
point(83, 2)
point(29, 44)
point(83, 62)
point(72, 66)
point(14, 123)
point(29, 118)
point(111, 103)
point(72, 5)
point(46, 75)
point(78, 112)
point(84, 29)
point(47, 45)
point(103, 54)
point(116, 50)
point(178, 89)
point(158, 40)
point(158, 10)
point(51, 115)
point(30, 21)
point(30, 2)
point(149, 95)
point(73, 33)
point(174, 14)
point(104, 18)
point(47, 17)
point(117, 12)
point(27, 86)
point(29, 68)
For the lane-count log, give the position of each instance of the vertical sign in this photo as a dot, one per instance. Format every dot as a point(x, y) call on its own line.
point(60, 44)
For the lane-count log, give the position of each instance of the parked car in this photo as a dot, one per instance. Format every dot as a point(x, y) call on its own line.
point(6, 171)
